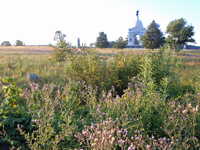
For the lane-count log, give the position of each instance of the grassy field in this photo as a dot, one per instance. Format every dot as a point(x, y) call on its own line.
point(41, 54)
point(39, 50)
point(26, 48)
point(18, 61)
point(99, 98)
point(48, 49)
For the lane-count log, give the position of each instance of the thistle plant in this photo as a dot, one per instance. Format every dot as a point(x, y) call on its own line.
point(181, 123)
point(108, 135)
point(105, 135)
point(53, 122)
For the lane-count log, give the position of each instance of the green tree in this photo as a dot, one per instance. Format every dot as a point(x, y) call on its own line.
point(62, 49)
point(92, 45)
point(110, 44)
point(153, 37)
point(179, 33)
point(19, 43)
point(50, 44)
point(126, 40)
point(120, 43)
point(102, 41)
point(59, 36)
point(6, 43)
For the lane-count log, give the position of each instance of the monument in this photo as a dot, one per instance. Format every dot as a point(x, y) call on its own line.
point(78, 43)
point(185, 47)
point(137, 29)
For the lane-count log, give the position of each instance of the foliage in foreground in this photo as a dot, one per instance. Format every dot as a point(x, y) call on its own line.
point(73, 118)
point(148, 115)
point(12, 112)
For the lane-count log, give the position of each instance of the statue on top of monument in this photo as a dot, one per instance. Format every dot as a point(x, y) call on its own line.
point(137, 13)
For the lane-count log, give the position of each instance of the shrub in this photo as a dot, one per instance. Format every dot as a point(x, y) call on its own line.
point(91, 69)
point(159, 67)
point(61, 51)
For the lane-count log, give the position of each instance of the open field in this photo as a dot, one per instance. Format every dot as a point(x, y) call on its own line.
point(25, 50)
point(121, 101)
point(48, 50)
point(191, 57)
point(29, 48)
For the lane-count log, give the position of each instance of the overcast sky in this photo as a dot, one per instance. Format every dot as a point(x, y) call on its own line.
point(35, 21)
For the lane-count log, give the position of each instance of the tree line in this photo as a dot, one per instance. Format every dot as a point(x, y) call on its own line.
point(17, 43)
point(179, 33)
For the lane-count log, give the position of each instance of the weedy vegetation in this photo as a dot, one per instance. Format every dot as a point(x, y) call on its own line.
point(87, 100)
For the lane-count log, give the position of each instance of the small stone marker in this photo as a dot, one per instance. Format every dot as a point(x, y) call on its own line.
point(32, 77)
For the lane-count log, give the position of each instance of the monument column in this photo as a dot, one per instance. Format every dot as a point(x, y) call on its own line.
point(140, 40)
point(78, 43)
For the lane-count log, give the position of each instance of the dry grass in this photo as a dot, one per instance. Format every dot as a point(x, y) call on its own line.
point(25, 50)
point(116, 51)
point(193, 63)
point(41, 50)
point(47, 48)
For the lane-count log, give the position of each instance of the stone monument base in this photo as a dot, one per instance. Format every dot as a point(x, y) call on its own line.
point(134, 46)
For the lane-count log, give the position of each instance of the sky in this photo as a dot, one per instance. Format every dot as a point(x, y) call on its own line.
point(35, 21)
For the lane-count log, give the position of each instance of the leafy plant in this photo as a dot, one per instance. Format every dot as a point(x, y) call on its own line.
point(61, 51)
point(12, 114)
